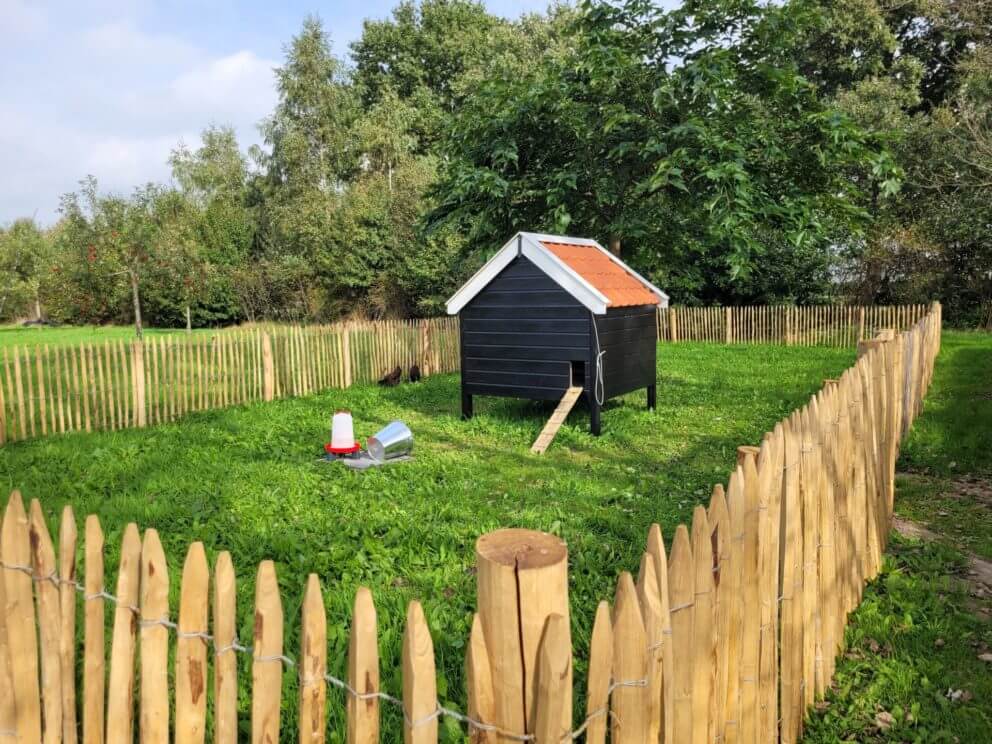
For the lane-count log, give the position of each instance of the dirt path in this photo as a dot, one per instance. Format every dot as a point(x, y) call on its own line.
point(979, 570)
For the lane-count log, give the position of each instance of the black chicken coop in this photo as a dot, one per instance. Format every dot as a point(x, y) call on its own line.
point(549, 312)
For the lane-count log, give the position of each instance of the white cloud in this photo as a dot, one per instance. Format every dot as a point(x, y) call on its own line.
point(111, 100)
point(237, 85)
point(131, 161)
point(20, 19)
point(121, 40)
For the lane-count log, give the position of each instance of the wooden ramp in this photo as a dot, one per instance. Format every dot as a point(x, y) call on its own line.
point(551, 428)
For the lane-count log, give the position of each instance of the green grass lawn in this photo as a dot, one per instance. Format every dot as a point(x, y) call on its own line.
point(17, 335)
point(248, 480)
point(917, 636)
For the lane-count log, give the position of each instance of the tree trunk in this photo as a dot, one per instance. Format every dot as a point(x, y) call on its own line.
point(615, 245)
point(137, 303)
point(37, 307)
point(189, 322)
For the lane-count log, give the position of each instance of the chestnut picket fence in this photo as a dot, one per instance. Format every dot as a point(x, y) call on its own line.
point(730, 633)
point(789, 325)
point(116, 384)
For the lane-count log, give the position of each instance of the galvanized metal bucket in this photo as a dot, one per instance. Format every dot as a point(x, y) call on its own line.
point(394, 440)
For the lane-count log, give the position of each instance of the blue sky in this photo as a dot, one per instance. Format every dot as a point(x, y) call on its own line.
point(108, 88)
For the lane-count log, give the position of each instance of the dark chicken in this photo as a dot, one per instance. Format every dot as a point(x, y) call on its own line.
point(393, 378)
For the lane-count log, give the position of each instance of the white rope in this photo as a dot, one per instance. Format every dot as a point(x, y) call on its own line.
point(232, 646)
point(151, 622)
point(16, 567)
point(201, 634)
point(599, 388)
point(274, 657)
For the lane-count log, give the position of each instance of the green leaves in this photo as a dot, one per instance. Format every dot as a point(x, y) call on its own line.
point(666, 174)
point(740, 151)
point(658, 130)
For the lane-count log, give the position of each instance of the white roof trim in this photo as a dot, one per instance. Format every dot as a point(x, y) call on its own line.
point(531, 246)
point(481, 278)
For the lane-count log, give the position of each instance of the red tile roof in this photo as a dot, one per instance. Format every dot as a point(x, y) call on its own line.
point(622, 289)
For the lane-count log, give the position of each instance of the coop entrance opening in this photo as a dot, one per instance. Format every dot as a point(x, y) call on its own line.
point(579, 373)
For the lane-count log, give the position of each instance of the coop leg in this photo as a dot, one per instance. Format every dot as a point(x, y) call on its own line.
point(652, 397)
point(594, 418)
point(466, 405)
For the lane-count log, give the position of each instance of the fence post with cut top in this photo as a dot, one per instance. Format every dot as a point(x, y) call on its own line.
point(522, 584)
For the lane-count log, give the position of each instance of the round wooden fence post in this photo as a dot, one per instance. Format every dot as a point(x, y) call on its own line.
point(522, 582)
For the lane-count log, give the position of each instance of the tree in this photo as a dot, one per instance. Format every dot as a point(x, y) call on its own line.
point(949, 204)
point(222, 223)
point(709, 173)
point(381, 263)
point(419, 53)
point(384, 134)
point(914, 74)
point(86, 284)
point(126, 230)
point(25, 258)
point(310, 131)
point(312, 157)
point(144, 237)
point(431, 54)
point(179, 271)
point(847, 41)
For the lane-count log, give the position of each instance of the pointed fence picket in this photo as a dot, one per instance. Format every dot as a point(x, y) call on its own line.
point(629, 707)
point(599, 675)
point(732, 636)
point(154, 702)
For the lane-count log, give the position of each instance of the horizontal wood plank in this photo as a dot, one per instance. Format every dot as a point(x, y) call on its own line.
point(525, 325)
point(517, 378)
point(549, 337)
point(515, 391)
point(564, 353)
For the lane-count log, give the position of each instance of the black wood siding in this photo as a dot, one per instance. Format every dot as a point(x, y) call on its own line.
point(520, 334)
point(628, 335)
